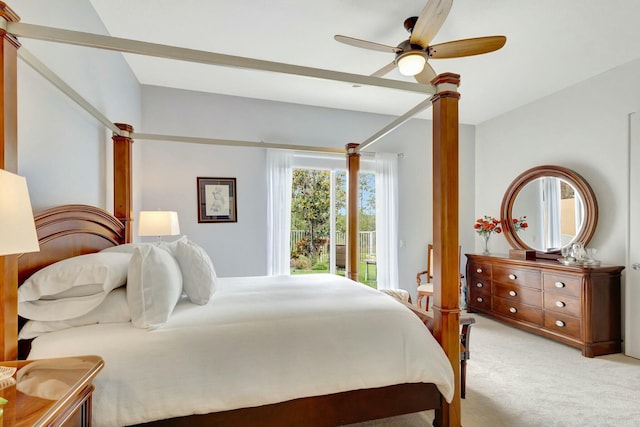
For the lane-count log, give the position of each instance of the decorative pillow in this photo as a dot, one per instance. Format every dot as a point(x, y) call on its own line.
point(154, 285)
point(72, 287)
point(172, 247)
point(198, 275)
point(114, 309)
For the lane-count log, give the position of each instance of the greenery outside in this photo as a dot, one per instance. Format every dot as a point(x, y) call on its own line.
point(310, 217)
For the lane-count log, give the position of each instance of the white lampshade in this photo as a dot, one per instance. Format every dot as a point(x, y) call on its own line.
point(17, 228)
point(411, 63)
point(158, 223)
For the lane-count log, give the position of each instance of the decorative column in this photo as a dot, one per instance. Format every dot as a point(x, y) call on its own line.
point(8, 161)
point(122, 180)
point(353, 226)
point(446, 259)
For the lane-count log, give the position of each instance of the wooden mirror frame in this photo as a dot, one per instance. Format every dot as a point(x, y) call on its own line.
point(573, 178)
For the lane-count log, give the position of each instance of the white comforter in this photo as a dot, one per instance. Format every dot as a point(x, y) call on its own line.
point(260, 340)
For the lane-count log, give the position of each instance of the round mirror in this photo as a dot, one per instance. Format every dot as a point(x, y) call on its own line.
point(559, 208)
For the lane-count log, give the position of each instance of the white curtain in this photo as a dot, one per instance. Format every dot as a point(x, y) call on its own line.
point(553, 194)
point(279, 181)
point(386, 167)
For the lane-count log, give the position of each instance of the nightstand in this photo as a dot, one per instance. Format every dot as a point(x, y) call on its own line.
point(50, 392)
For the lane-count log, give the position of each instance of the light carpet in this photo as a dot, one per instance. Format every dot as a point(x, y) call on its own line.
point(519, 379)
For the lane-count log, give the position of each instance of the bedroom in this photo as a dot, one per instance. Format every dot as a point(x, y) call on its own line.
point(576, 122)
point(565, 128)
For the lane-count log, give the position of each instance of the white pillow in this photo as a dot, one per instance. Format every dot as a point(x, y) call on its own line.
point(154, 285)
point(198, 275)
point(114, 309)
point(172, 247)
point(72, 287)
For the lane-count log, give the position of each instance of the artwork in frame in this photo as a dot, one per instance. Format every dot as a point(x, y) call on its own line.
point(217, 200)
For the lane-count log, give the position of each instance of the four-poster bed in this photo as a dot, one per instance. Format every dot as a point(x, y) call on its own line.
point(331, 409)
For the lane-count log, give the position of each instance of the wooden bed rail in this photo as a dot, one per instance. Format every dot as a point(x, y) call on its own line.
point(122, 178)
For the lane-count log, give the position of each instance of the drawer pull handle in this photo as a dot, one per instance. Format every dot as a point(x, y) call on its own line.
point(559, 285)
point(480, 299)
point(479, 270)
point(513, 293)
point(513, 310)
point(560, 323)
point(513, 276)
point(479, 285)
point(560, 304)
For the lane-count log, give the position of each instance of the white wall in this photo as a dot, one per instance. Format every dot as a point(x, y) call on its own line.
point(584, 128)
point(63, 151)
point(170, 168)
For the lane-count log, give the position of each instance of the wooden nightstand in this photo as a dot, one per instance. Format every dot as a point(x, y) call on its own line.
point(50, 392)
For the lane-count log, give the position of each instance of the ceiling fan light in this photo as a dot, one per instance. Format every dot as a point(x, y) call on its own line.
point(411, 63)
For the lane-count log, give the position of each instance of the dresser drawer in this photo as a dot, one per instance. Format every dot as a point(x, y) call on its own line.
point(521, 294)
point(480, 301)
point(517, 310)
point(480, 270)
point(567, 325)
point(479, 286)
point(562, 284)
point(515, 276)
point(563, 304)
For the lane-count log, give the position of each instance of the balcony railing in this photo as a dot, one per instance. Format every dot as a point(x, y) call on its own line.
point(366, 241)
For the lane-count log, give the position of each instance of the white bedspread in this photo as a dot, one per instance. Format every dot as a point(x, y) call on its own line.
point(259, 340)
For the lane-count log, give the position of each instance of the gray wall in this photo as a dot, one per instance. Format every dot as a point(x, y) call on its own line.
point(63, 151)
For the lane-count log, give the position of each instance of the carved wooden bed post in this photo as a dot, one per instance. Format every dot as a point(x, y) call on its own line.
point(353, 228)
point(122, 181)
point(445, 233)
point(8, 161)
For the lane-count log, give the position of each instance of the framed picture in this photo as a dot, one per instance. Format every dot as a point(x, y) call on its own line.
point(217, 200)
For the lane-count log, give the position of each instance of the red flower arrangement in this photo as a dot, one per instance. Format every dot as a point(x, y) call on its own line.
point(486, 225)
point(519, 223)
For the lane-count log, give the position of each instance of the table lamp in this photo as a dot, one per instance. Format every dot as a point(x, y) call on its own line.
point(158, 223)
point(17, 227)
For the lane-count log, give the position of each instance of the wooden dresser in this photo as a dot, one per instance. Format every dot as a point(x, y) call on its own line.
point(578, 306)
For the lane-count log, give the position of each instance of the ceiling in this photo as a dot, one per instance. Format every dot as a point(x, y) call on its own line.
point(550, 45)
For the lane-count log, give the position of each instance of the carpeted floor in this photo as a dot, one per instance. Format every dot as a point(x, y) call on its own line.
point(518, 379)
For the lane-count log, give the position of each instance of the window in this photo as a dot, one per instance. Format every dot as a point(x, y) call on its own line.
point(378, 244)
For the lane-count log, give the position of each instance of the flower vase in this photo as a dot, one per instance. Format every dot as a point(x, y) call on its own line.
point(485, 247)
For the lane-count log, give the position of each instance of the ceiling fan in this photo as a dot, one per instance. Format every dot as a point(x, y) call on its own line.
point(412, 55)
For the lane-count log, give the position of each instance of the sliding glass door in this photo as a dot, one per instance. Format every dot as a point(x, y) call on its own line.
point(318, 223)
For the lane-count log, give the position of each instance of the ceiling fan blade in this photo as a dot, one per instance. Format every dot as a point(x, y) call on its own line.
point(385, 70)
point(426, 75)
point(466, 47)
point(366, 44)
point(429, 22)
point(382, 71)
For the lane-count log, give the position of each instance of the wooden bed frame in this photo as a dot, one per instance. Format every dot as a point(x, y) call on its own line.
point(73, 230)
point(77, 229)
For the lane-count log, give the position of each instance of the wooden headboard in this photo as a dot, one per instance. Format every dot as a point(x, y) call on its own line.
point(67, 231)
point(64, 232)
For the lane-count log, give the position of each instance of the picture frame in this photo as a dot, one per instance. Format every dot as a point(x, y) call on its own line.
point(217, 200)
